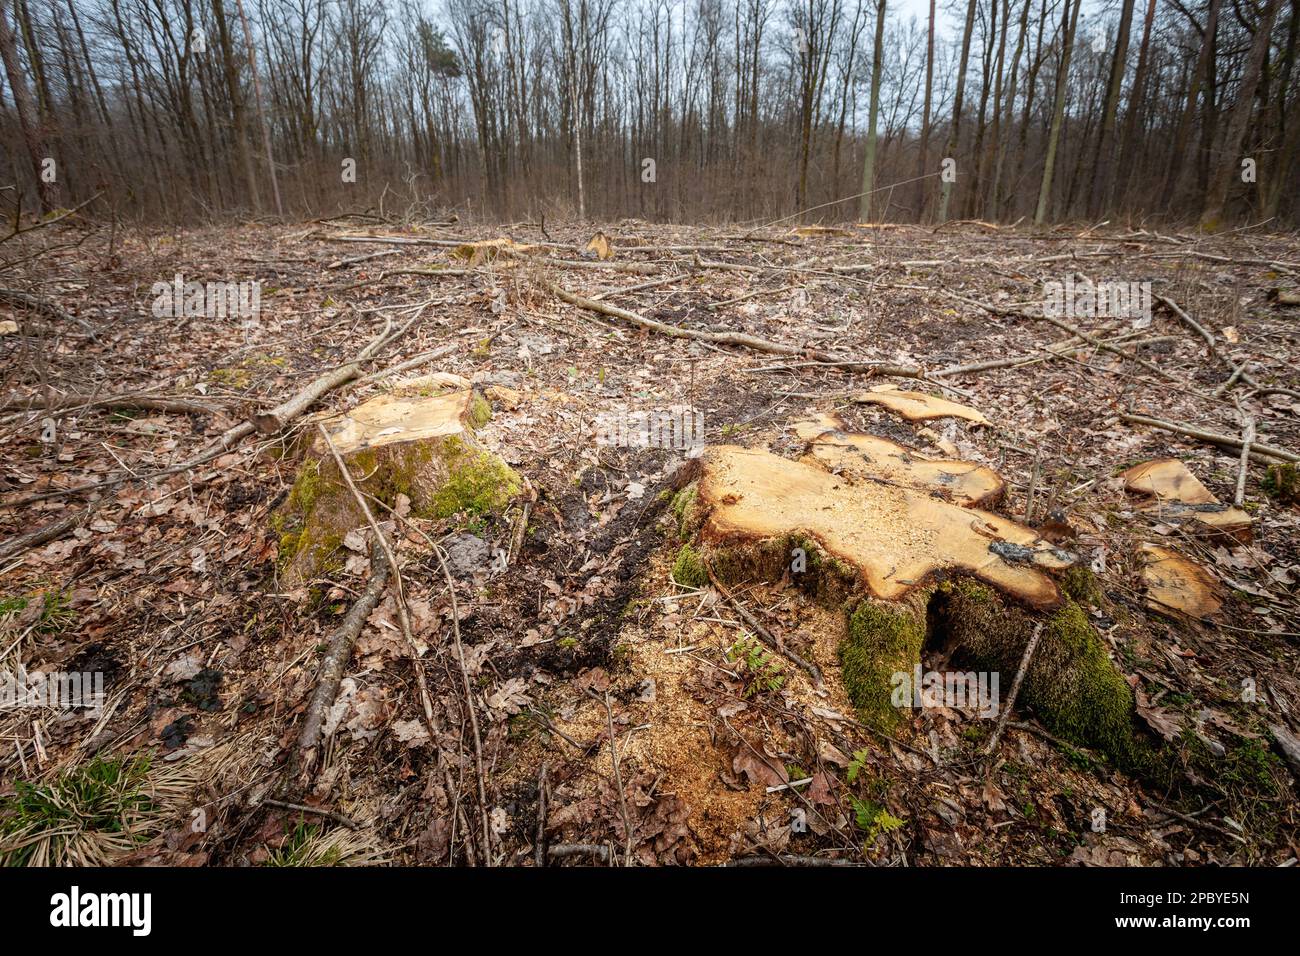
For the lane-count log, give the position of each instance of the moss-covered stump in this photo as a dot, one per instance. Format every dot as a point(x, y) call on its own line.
point(418, 445)
point(894, 539)
point(1072, 685)
point(884, 639)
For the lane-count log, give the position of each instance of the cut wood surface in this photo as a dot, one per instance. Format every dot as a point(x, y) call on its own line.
point(1179, 496)
point(918, 406)
point(962, 482)
point(397, 418)
point(1177, 584)
point(895, 537)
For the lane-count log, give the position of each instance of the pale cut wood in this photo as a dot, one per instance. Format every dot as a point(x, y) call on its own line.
point(393, 418)
point(896, 538)
point(918, 406)
point(962, 482)
point(1178, 495)
point(1177, 584)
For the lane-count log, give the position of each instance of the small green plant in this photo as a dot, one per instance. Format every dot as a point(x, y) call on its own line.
point(308, 846)
point(760, 671)
point(873, 818)
point(857, 765)
point(1282, 482)
point(56, 614)
point(84, 817)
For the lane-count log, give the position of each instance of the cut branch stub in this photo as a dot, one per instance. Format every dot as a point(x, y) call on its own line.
point(918, 406)
point(1180, 497)
point(1177, 585)
point(895, 537)
point(867, 456)
point(420, 447)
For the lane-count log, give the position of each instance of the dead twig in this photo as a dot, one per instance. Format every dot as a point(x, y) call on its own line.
point(740, 339)
point(469, 705)
point(320, 811)
point(338, 650)
point(1247, 439)
point(1015, 689)
point(618, 777)
point(1258, 450)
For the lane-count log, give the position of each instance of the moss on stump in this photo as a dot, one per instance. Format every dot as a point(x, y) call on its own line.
point(419, 447)
point(1072, 684)
point(883, 639)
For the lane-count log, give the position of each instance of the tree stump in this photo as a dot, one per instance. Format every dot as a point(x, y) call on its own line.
point(904, 545)
point(416, 443)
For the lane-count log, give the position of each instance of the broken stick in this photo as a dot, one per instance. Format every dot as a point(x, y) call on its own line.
point(741, 339)
point(1258, 450)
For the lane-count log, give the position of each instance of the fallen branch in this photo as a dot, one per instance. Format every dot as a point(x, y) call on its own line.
point(740, 339)
point(338, 651)
point(1015, 689)
point(43, 307)
point(1073, 330)
point(563, 850)
point(320, 811)
point(1063, 350)
point(1238, 371)
point(1247, 439)
point(791, 859)
point(273, 421)
point(55, 529)
point(469, 704)
point(160, 403)
point(539, 843)
point(283, 413)
point(404, 619)
point(1258, 450)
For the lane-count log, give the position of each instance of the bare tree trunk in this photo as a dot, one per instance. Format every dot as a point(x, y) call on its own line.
point(237, 110)
point(33, 134)
point(1070, 19)
point(1216, 196)
point(261, 110)
point(954, 132)
point(1126, 158)
point(869, 164)
point(1180, 170)
point(1103, 166)
point(923, 161)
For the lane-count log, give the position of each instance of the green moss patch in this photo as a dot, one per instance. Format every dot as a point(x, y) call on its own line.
point(1282, 482)
point(1072, 684)
point(688, 569)
point(442, 478)
point(882, 640)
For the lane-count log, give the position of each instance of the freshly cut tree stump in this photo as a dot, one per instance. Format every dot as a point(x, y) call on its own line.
point(896, 537)
point(406, 443)
point(1177, 585)
point(961, 482)
point(918, 406)
point(885, 538)
point(1180, 497)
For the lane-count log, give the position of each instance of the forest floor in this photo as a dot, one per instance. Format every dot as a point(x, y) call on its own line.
point(615, 720)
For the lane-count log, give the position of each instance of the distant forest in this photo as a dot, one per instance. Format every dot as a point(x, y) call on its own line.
point(677, 110)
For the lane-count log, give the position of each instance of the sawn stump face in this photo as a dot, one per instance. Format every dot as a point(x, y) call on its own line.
point(896, 536)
